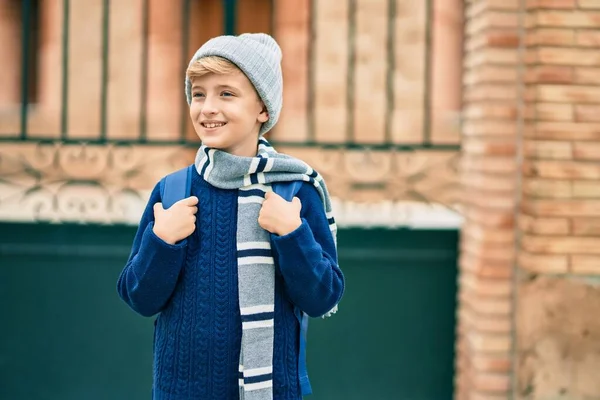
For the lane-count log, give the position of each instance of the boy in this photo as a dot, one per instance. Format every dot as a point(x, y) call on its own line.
point(226, 268)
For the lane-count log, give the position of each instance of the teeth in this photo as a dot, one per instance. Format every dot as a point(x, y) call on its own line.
point(213, 124)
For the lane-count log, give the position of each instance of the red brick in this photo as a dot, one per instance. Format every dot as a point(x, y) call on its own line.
point(581, 264)
point(486, 182)
point(483, 286)
point(528, 113)
point(585, 189)
point(486, 262)
point(562, 208)
point(531, 56)
point(588, 39)
point(549, 74)
point(561, 244)
point(486, 382)
point(485, 304)
point(530, 93)
point(553, 112)
point(489, 128)
point(567, 56)
point(494, 200)
point(549, 264)
point(589, 4)
point(559, 4)
point(501, 39)
point(529, 129)
point(587, 113)
point(490, 92)
point(548, 149)
point(546, 188)
point(587, 151)
point(587, 75)
point(566, 19)
point(487, 146)
point(492, 363)
point(488, 236)
point(562, 169)
point(530, 21)
point(491, 74)
point(477, 7)
point(550, 37)
point(544, 226)
point(475, 395)
point(492, 20)
point(484, 323)
point(586, 226)
point(496, 165)
point(491, 56)
point(490, 111)
point(486, 342)
point(491, 220)
point(567, 131)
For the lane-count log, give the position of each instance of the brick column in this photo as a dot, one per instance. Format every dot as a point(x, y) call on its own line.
point(488, 178)
point(558, 306)
point(547, 208)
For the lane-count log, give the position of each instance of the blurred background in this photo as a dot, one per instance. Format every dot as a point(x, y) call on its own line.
point(460, 140)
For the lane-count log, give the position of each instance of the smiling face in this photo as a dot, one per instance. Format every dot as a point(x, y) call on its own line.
point(226, 111)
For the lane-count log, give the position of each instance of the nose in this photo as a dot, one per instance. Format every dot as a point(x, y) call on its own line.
point(209, 106)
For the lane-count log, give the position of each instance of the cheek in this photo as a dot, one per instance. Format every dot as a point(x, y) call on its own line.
point(194, 111)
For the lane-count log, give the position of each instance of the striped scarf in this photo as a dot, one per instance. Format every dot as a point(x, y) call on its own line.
point(253, 176)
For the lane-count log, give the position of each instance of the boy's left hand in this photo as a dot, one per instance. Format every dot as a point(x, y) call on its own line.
point(278, 215)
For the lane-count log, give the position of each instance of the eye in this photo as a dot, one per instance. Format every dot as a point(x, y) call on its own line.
point(227, 94)
point(198, 94)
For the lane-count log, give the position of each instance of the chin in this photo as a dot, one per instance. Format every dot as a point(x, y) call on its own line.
point(215, 145)
point(211, 142)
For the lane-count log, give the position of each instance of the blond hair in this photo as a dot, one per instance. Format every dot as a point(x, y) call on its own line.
point(211, 64)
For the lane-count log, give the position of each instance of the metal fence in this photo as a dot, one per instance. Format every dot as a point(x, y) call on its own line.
point(230, 12)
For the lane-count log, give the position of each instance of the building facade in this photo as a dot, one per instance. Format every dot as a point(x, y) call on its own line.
point(478, 115)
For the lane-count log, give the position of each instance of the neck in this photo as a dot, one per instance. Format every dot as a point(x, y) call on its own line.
point(244, 149)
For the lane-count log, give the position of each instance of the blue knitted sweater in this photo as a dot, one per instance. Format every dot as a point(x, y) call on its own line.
point(193, 287)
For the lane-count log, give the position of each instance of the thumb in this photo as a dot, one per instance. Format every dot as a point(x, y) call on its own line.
point(190, 201)
point(297, 203)
point(158, 208)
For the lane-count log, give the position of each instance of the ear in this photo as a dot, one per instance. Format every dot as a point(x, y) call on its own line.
point(263, 116)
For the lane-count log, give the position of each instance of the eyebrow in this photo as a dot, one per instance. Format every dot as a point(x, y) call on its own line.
point(227, 87)
point(218, 87)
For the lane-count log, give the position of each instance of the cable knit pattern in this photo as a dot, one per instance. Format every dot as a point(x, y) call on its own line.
point(225, 294)
point(204, 268)
point(192, 286)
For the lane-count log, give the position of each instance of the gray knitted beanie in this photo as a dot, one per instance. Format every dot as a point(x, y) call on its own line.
point(259, 56)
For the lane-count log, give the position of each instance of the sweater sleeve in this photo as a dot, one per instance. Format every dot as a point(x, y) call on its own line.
point(307, 259)
point(150, 274)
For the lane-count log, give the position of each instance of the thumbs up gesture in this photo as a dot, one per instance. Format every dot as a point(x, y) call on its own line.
point(278, 215)
point(177, 222)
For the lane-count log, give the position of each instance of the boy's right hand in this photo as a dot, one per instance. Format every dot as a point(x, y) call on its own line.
point(177, 222)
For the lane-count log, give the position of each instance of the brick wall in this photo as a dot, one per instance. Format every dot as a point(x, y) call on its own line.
point(548, 204)
point(558, 336)
point(487, 176)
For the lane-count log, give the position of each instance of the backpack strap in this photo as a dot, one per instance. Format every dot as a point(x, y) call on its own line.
point(302, 318)
point(288, 190)
point(176, 186)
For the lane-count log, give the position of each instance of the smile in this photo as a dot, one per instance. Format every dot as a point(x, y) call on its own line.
point(211, 125)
